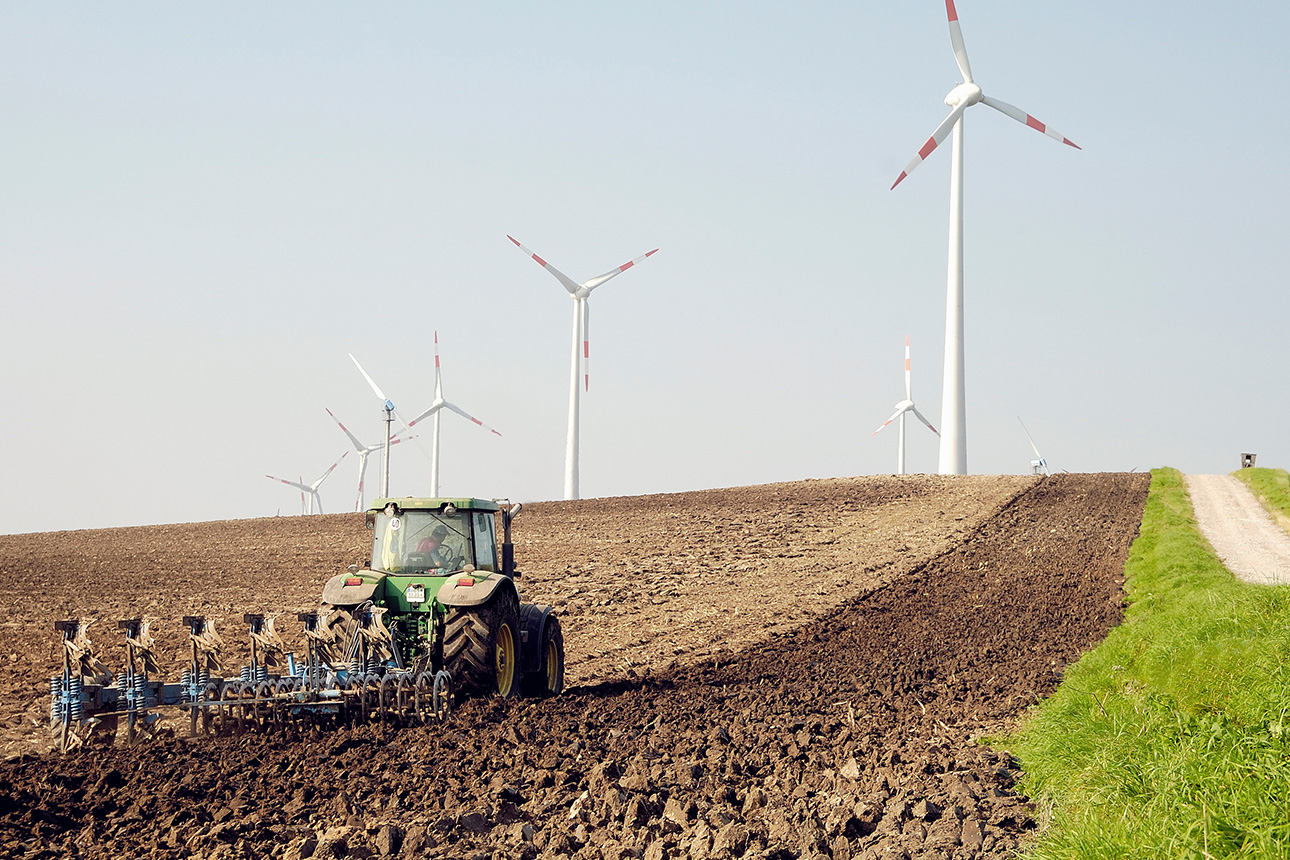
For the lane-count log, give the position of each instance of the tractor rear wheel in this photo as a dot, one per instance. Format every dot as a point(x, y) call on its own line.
point(548, 678)
point(481, 647)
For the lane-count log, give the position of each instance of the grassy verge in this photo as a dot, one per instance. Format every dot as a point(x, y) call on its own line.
point(1172, 737)
point(1272, 488)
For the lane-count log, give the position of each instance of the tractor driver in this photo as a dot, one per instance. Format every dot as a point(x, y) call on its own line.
point(439, 555)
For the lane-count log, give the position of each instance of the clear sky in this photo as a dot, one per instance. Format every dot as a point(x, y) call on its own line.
point(203, 208)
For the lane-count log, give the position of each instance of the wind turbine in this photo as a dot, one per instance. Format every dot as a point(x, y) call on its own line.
point(581, 358)
point(311, 489)
point(363, 452)
point(388, 407)
point(1040, 464)
point(904, 406)
point(953, 459)
point(436, 409)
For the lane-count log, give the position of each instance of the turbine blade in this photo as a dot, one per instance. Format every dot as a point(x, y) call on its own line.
point(358, 446)
point(569, 283)
point(893, 417)
point(1026, 119)
point(313, 488)
point(1033, 447)
point(937, 138)
point(586, 345)
point(908, 394)
point(464, 414)
point(920, 417)
point(375, 388)
point(438, 381)
point(297, 485)
point(435, 407)
point(613, 273)
point(956, 41)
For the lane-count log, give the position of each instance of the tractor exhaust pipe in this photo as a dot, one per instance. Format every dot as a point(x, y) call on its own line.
point(508, 548)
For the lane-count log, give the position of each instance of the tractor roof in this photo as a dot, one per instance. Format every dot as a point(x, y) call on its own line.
point(422, 503)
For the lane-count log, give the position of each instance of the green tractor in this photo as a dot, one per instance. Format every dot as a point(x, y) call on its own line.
point(439, 595)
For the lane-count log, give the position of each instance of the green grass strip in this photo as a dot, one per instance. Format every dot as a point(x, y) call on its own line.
point(1272, 488)
point(1172, 737)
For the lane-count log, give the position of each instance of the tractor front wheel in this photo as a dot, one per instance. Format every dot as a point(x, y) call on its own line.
point(481, 647)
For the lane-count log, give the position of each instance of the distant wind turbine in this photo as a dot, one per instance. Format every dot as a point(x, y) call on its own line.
point(904, 406)
point(364, 451)
point(580, 292)
point(315, 500)
point(436, 409)
point(1040, 464)
point(953, 459)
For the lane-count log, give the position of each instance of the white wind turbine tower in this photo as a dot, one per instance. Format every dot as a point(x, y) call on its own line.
point(903, 407)
point(581, 352)
point(436, 409)
point(1040, 464)
point(953, 459)
point(311, 489)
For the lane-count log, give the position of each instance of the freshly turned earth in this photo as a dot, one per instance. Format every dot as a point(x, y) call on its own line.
point(793, 670)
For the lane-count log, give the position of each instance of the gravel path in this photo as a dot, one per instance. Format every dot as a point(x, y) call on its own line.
point(1241, 531)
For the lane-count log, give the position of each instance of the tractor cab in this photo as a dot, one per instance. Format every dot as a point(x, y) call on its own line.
point(433, 536)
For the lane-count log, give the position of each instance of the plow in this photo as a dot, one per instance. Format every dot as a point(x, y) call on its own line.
point(435, 616)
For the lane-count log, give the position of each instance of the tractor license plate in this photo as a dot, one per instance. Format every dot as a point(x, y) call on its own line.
point(416, 593)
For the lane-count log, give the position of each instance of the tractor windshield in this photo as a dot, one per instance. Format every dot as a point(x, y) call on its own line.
point(421, 541)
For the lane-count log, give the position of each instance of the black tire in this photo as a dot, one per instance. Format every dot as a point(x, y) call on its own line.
point(548, 678)
point(481, 647)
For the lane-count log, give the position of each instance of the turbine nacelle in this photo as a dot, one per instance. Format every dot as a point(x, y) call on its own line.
point(904, 406)
point(966, 94)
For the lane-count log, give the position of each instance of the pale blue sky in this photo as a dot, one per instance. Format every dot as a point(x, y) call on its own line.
point(202, 210)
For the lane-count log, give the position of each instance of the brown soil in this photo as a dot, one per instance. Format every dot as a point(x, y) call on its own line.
point(788, 671)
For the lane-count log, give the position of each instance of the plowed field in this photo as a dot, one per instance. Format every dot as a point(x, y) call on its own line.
point(796, 670)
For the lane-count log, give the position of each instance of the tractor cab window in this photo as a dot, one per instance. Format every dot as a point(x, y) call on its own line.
point(422, 541)
point(485, 546)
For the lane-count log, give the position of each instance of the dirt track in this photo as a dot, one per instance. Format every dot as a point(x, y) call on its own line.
point(846, 732)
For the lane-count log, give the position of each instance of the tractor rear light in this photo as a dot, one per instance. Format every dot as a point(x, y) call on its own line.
point(466, 580)
point(353, 580)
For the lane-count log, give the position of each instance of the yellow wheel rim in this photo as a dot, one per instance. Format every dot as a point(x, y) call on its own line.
point(552, 666)
point(505, 654)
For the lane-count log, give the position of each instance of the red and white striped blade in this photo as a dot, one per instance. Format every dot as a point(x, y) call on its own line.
point(893, 417)
point(613, 273)
point(569, 284)
point(464, 414)
point(357, 444)
point(920, 417)
point(1026, 119)
point(324, 475)
point(956, 40)
point(586, 345)
point(937, 138)
point(297, 484)
point(908, 394)
point(434, 407)
point(438, 382)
